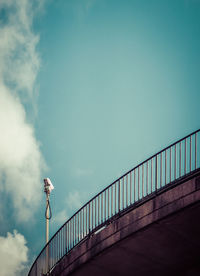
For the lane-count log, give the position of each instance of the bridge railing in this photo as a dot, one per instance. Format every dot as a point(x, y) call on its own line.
point(161, 169)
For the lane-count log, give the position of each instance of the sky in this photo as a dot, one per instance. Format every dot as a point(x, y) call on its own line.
point(88, 90)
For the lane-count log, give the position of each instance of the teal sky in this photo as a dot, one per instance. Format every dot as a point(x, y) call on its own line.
point(118, 81)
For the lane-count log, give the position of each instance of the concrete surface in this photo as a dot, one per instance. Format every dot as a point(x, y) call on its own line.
point(160, 237)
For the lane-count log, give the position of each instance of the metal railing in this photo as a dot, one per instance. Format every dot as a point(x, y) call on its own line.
point(168, 165)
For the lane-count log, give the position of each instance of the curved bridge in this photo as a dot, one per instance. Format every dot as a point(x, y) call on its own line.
point(96, 239)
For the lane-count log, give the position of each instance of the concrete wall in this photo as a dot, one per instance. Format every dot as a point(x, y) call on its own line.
point(159, 237)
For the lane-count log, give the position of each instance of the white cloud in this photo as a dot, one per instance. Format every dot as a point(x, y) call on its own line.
point(13, 254)
point(19, 59)
point(21, 162)
point(72, 203)
point(73, 200)
point(60, 218)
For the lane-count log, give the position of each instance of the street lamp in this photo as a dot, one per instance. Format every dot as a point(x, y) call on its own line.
point(48, 187)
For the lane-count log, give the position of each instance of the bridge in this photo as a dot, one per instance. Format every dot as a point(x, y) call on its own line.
point(145, 222)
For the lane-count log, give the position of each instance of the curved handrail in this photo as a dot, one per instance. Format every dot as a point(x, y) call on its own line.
point(162, 168)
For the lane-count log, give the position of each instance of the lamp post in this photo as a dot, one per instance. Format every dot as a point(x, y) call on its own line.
point(48, 187)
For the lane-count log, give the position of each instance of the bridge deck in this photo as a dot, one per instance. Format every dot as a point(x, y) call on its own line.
point(160, 237)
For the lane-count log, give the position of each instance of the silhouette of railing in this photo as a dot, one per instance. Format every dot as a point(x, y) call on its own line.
point(161, 169)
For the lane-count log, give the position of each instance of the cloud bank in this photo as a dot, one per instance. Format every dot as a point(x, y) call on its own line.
point(21, 162)
point(13, 254)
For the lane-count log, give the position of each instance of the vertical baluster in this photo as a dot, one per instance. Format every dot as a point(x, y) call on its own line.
point(112, 200)
point(98, 222)
point(73, 231)
point(195, 151)
point(126, 190)
point(58, 245)
point(85, 212)
point(95, 212)
point(67, 236)
point(190, 153)
point(138, 183)
point(142, 180)
point(165, 167)
point(185, 155)
point(92, 214)
point(108, 203)
point(61, 253)
point(147, 189)
point(115, 197)
point(53, 251)
point(156, 173)
point(119, 195)
point(51, 258)
point(180, 161)
point(66, 240)
point(175, 164)
point(89, 216)
point(151, 175)
point(122, 193)
point(105, 207)
point(161, 170)
point(78, 226)
point(134, 185)
point(83, 224)
point(170, 164)
point(101, 207)
point(130, 187)
point(61, 242)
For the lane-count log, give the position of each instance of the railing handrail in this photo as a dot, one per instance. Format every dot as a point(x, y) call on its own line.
point(106, 188)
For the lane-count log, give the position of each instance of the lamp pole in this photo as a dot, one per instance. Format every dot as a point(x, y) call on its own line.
point(47, 217)
point(48, 187)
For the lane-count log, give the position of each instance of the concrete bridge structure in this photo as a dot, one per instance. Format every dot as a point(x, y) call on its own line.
point(159, 237)
point(145, 223)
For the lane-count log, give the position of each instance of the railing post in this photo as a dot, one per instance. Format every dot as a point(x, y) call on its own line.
point(130, 187)
point(195, 151)
point(89, 218)
point(119, 196)
point(156, 174)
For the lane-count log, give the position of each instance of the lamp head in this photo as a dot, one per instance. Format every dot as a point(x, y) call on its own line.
point(48, 186)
